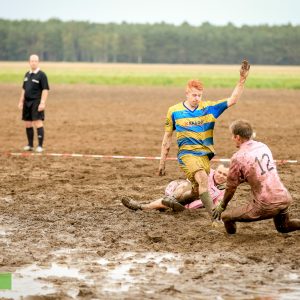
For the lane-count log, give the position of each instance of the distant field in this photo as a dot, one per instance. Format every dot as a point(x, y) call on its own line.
point(273, 77)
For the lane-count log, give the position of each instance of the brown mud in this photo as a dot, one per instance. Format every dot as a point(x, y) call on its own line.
point(66, 211)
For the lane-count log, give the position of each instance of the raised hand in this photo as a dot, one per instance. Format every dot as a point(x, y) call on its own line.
point(244, 71)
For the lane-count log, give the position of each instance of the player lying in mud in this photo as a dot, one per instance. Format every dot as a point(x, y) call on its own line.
point(179, 196)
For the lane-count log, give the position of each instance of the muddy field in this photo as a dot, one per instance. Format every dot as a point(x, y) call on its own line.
point(65, 235)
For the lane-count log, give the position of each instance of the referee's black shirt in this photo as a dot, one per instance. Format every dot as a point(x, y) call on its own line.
point(34, 84)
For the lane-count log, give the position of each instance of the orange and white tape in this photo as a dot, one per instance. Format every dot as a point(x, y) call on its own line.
point(28, 154)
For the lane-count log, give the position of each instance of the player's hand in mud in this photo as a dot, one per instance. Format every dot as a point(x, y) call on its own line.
point(161, 170)
point(217, 211)
point(244, 71)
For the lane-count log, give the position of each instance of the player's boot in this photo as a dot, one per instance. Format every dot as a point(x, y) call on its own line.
point(171, 202)
point(131, 204)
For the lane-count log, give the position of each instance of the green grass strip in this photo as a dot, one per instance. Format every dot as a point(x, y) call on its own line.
point(268, 78)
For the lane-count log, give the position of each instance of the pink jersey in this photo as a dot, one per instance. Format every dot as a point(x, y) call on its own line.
point(254, 163)
point(215, 193)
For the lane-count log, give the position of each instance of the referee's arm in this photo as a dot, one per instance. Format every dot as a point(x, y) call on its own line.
point(21, 100)
point(43, 100)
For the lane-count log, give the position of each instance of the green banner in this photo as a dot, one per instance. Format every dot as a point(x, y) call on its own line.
point(5, 281)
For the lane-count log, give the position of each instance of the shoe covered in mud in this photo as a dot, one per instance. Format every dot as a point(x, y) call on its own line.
point(172, 203)
point(131, 204)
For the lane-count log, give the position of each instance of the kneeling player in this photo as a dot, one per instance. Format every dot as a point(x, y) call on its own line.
point(254, 163)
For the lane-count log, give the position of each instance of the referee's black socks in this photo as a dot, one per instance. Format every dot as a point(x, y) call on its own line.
point(30, 134)
point(40, 133)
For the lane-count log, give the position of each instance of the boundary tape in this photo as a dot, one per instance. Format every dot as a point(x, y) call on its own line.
point(28, 154)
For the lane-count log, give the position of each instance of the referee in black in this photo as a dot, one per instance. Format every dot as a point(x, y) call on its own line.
point(33, 101)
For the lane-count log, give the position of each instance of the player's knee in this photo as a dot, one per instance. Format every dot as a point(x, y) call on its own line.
point(181, 189)
point(281, 223)
point(225, 217)
point(230, 227)
point(202, 189)
point(282, 228)
point(202, 179)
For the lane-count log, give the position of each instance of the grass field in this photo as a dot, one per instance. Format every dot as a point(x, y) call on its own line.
point(272, 77)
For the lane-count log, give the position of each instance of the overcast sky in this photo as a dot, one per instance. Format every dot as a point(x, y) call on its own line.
point(195, 12)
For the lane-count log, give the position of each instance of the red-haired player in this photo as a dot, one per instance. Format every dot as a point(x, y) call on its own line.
point(194, 121)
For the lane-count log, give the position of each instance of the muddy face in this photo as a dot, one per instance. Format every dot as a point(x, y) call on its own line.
point(221, 174)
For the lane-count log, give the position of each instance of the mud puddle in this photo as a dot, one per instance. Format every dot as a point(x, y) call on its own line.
point(33, 280)
point(133, 273)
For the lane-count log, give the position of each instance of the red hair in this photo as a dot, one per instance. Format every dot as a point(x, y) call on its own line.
point(194, 83)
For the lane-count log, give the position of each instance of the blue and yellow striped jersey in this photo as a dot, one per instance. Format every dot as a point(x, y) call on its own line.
point(194, 129)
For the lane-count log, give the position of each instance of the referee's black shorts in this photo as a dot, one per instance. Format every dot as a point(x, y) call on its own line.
point(30, 111)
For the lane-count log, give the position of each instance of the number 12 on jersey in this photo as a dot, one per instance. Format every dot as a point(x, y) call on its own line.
point(264, 164)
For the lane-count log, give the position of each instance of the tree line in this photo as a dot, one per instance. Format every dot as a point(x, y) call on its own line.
point(55, 40)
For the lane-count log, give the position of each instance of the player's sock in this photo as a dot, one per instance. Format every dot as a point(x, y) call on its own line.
point(30, 134)
point(207, 202)
point(40, 133)
point(171, 202)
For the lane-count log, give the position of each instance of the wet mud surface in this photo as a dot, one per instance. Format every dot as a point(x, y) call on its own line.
point(64, 233)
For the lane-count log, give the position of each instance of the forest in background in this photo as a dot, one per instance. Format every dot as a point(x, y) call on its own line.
point(76, 41)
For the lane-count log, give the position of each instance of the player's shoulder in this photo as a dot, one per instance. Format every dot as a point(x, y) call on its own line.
point(247, 151)
point(261, 144)
point(237, 157)
point(176, 107)
point(256, 146)
point(207, 103)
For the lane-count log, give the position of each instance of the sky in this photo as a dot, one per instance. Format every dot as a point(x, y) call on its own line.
point(195, 12)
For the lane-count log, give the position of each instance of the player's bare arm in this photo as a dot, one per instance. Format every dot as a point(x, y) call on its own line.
point(43, 100)
point(21, 100)
point(165, 148)
point(237, 92)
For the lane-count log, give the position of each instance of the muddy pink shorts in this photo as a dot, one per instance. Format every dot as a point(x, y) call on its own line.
point(172, 186)
point(251, 212)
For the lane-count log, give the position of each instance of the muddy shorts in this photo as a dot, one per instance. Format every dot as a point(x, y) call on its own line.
point(30, 111)
point(251, 212)
point(173, 185)
point(190, 164)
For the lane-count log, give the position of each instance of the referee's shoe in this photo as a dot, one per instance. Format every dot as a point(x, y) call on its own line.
point(28, 148)
point(39, 149)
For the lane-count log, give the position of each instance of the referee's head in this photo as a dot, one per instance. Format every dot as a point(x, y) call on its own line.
point(33, 61)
